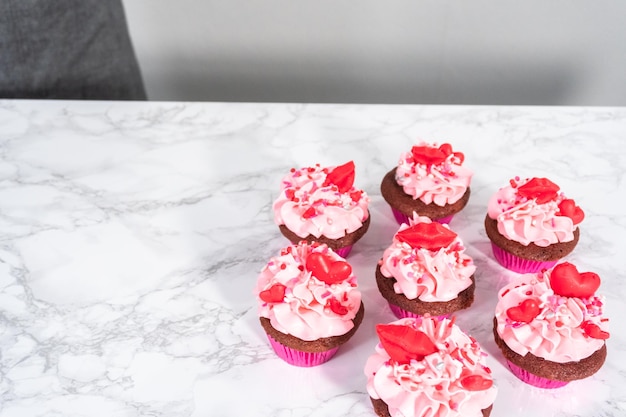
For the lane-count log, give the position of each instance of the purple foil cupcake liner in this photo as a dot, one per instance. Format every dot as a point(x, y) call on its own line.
point(534, 380)
point(403, 314)
point(403, 218)
point(517, 264)
point(298, 357)
point(343, 252)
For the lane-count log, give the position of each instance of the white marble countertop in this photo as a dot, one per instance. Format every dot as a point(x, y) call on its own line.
point(131, 236)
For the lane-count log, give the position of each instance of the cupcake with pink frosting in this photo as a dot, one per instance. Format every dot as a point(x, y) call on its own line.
point(430, 180)
point(309, 303)
point(550, 326)
point(428, 367)
point(425, 270)
point(321, 204)
point(531, 224)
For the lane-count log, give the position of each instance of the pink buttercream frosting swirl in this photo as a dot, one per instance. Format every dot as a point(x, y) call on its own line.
point(308, 207)
point(557, 333)
point(432, 386)
point(428, 275)
point(526, 221)
point(311, 308)
point(441, 183)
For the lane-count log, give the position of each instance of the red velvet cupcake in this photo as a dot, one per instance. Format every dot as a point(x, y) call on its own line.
point(309, 303)
point(322, 205)
point(429, 180)
point(550, 326)
point(531, 224)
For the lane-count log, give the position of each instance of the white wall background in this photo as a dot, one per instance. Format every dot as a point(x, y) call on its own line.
point(541, 52)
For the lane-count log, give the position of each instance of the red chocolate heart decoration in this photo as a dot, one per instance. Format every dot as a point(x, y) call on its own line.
point(540, 189)
point(594, 331)
point(342, 176)
point(403, 343)
point(525, 312)
point(569, 208)
point(565, 280)
point(274, 294)
point(431, 236)
point(476, 383)
point(326, 269)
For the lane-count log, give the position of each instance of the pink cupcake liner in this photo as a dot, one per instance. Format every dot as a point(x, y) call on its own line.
point(403, 314)
point(403, 218)
point(534, 380)
point(517, 264)
point(298, 357)
point(445, 220)
point(343, 252)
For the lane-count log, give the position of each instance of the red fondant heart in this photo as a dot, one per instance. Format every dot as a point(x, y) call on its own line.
point(569, 208)
point(540, 189)
point(565, 280)
point(342, 176)
point(326, 269)
point(274, 294)
point(476, 383)
point(594, 331)
point(431, 236)
point(525, 312)
point(403, 343)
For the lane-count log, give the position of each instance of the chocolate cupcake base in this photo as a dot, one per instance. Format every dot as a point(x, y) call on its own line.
point(565, 372)
point(418, 307)
point(335, 244)
point(406, 204)
point(531, 252)
point(315, 346)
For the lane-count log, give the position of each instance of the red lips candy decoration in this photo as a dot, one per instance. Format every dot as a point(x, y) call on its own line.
point(429, 155)
point(540, 189)
point(431, 236)
point(525, 312)
point(404, 343)
point(566, 281)
point(326, 269)
point(569, 208)
point(342, 176)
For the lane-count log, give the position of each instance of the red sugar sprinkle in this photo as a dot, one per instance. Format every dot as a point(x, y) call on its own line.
point(283, 266)
point(301, 268)
point(558, 323)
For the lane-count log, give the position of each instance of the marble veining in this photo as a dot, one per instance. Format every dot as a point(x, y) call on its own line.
point(131, 236)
